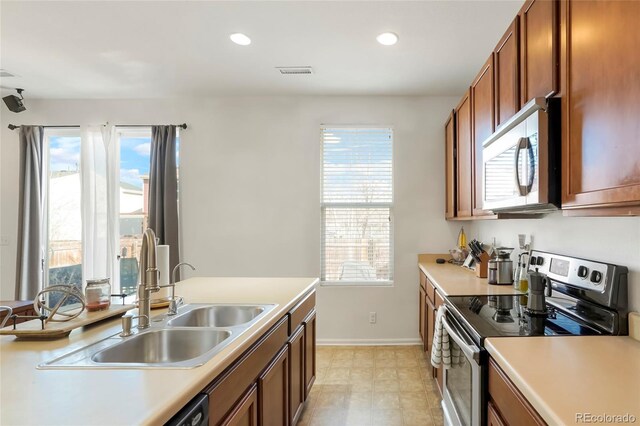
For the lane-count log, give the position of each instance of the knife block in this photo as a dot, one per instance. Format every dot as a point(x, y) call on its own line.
point(482, 267)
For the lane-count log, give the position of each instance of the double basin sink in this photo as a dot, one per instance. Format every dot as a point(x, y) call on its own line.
point(186, 340)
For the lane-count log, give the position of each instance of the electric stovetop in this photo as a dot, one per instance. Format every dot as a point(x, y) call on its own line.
point(506, 316)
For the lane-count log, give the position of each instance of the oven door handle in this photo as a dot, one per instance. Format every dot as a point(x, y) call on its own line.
point(471, 351)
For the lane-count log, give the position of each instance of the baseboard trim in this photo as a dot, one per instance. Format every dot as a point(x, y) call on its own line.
point(368, 342)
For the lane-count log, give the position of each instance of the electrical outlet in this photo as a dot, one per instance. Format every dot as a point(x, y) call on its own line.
point(372, 317)
point(4, 241)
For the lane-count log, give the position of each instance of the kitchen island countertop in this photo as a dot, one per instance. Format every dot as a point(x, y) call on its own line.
point(565, 377)
point(30, 396)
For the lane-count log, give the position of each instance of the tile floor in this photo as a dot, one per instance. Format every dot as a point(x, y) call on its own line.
point(372, 385)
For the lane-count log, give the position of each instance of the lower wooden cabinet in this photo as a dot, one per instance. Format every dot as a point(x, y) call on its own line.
point(506, 405)
point(270, 382)
point(309, 352)
point(245, 413)
point(273, 391)
point(422, 319)
point(493, 418)
point(296, 374)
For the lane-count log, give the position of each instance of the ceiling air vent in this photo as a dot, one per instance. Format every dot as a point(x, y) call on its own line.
point(5, 73)
point(295, 70)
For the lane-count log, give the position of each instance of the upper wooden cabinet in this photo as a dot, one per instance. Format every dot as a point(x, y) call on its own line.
point(601, 92)
point(507, 74)
point(539, 47)
point(464, 165)
point(450, 169)
point(483, 115)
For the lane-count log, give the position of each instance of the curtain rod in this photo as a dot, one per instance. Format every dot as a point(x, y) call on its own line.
point(183, 126)
point(13, 127)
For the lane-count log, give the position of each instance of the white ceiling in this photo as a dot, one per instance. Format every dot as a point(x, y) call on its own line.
point(149, 49)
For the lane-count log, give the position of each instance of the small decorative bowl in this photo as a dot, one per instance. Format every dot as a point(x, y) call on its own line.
point(459, 255)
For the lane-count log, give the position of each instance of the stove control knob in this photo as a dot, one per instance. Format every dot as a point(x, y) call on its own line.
point(539, 260)
point(533, 260)
point(583, 271)
point(596, 277)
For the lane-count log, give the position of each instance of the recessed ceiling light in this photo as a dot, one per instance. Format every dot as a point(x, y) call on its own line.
point(387, 39)
point(241, 39)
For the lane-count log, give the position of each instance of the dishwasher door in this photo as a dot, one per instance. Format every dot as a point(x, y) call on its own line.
point(195, 413)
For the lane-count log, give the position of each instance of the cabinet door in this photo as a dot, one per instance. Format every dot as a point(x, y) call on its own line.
point(309, 353)
point(507, 77)
point(601, 152)
point(273, 391)
point(296, 375)
point(422, 318)
point(245, 412)
point(482, 111)
point(493, 418)
point(539, 43)
point(464, 166)
point(430, 325)
point(450, 169)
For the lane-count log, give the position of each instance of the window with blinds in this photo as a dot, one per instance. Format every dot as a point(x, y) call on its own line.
point(357, 205)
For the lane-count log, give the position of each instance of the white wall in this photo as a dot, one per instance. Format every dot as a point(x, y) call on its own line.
point(614, 240)
point(250, 192)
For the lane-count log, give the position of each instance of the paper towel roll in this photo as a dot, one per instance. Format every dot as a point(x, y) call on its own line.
point(162, 254)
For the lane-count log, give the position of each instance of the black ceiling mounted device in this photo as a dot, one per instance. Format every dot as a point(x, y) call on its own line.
point(14, 103)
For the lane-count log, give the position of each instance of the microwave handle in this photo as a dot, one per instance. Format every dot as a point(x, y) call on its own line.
point(522, 189)
point(532, 167)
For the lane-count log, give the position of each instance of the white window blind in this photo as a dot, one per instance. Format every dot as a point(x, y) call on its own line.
point(357, 204)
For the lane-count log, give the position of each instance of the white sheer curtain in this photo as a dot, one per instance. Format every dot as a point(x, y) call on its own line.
point(99, 204)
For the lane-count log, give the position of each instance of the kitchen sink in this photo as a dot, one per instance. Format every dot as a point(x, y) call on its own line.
point(217, 316)
point(162, 347)
point(187, 340)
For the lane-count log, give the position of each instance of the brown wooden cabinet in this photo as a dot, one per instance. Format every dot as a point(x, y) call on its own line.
point(422, 318)
point(296, 374)
point(539, 49)
point(273, 392)
point(450, 166)
point(270, 382)
point(309, 352)
point(600, 92)
point(245, 413)
point(507, 75)
point(507, 405)
point(483, 116)
point(493, 418)
point(464, 158)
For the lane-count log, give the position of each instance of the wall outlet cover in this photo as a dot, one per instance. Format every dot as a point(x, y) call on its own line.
point(372, 317)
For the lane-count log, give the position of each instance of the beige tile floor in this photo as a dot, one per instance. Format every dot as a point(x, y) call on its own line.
point(372, 385)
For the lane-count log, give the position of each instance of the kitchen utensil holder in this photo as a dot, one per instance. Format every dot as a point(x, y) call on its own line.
point(482, 267)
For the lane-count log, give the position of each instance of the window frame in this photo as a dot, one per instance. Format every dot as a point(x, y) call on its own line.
point(390, 205)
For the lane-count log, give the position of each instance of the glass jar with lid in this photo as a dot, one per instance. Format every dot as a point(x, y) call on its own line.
point(98, 294)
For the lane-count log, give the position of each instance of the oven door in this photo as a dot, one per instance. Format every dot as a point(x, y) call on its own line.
point(462, 385)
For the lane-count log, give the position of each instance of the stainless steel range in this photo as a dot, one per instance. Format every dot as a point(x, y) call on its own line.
point(587, 298)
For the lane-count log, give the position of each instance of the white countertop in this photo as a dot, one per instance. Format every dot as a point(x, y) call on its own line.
point(129, 397)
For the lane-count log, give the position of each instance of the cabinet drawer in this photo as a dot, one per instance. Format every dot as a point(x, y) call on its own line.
point(301, 311)
point(423, 281)
point(224, 393)
point(513, 408)
point(431, 291)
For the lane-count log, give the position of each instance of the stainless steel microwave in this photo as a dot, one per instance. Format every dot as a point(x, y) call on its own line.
point(521, 161)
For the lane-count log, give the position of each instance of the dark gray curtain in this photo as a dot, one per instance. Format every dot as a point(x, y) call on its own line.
point(163, 190)
point(30, 213)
